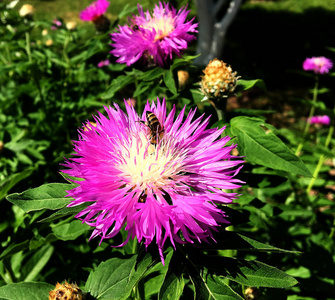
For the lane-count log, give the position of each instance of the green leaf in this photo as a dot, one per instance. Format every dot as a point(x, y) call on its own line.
point(65, 211)
point(247, 272)
point(110, 277)
point(141, 88)
point(265, 148)
point(37, 262)
point(70, 231)
point(116, 277)
point(14, 248)
point(218, 289)
point(25, 291)
point(153, 74)
point(237, 241)
point(12, 180)
point(117, 84)
point(243, 85)
point(210, 287)
point(173, 285)
point(48, 196)
point(170, 82)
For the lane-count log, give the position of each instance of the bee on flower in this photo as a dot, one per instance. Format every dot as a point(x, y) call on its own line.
point(170, 189)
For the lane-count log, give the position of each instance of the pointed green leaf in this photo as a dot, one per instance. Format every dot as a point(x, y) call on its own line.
point(14, 248)
point(219, 289)
point(37, 262)
point(110, 277)
point(243, 85)
point(48, 196)
point(251, 273)
point(254, 273)
point(12, 180)
point(141, 88)
point(265, 148)
point(70, 231)
point(65, 211)
point(116, 277)
point(210, 287)
point(173, 285)
point(117, 84)
point(170, 82)
point(237, 241)
point(153, 74)
point(25, 291)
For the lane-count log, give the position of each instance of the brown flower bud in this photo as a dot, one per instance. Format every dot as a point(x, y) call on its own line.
point(66, 291)
point(218, 80)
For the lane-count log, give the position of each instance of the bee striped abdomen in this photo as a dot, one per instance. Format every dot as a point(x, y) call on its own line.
point(155, 127)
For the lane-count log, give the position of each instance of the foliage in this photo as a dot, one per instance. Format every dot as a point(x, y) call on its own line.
point(48, 91)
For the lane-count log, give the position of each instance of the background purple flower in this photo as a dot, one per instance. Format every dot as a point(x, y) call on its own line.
point(103, 63)
point(94, 11)
point(319, 65)
point(169, 191)
point(324, 120)
point(57, 24)
point(153, 38)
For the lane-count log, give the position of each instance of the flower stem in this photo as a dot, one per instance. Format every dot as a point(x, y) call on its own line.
point(311, 113)
point(321, 161)
point(28, 50)
point(139, 100)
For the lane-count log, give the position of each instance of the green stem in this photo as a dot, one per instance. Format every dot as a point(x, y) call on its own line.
point(28, 50)
point(311, 113)
point(66, 42)
point(321, 161)
point(139, 100)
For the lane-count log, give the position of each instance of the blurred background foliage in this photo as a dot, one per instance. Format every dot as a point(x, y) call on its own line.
point(47, 91)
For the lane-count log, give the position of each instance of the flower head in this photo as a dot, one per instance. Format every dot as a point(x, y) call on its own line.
point(94, 11)
point(162, 181)
point(319, 65)
point(153, 38)
point(66, 291)
point(27, 10)
point(218, 80)
point(103, 63)
point(323, 120)
point(56, 24)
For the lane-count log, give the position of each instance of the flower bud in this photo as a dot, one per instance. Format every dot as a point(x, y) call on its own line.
point(26, 10)
point(66, 291)
point(183, 79)
point(49, 42)
point(251, 293)
point(218, 80)
point(71, 25)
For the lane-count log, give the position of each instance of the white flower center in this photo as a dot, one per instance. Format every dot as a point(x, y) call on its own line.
point(163, 26)
point(149, 166)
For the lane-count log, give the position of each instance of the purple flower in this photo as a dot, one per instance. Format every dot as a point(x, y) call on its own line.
point(153, 38)
point(319, 65)
point(94, 11)
point(103, 63)
point(325, 120)
point(57, 24)
point(164, 183)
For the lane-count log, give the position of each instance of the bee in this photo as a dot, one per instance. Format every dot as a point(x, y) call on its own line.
point(156, 129)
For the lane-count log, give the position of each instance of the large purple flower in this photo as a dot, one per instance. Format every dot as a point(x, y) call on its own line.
point(153, 38)
point(168, 187)
point(319, 65)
